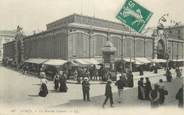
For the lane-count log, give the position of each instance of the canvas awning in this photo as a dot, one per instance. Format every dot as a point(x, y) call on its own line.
point(138, 63)
point(143, 60)
point(158, 60)
point(55, 62)
point(80, 61)
point(90, 61)
point(129, 60)
point(36, 60)
point(178, 60)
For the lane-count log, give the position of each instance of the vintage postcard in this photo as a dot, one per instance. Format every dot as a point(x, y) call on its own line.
point(98, 57)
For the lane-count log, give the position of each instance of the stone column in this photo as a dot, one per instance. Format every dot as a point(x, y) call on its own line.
point(155, 47)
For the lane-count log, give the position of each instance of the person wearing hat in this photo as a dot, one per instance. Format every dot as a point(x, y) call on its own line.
point(168, 75)
point(86, 89)
point(179, 97)
point(163, 93)
point(43, 78)
point(120, 85)
point(130, 80)
point(141, 93)
point(155, 68)
point(178, 72)
point(43, 88)
point(62, 81)
point(43, 68)
point(108, 93)
point(154, 96)
point(148, 88)
point(56, 81)
point(141, 73)
point(161, 83)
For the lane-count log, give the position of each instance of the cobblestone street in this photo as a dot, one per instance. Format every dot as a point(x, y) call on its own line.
point(18, 90)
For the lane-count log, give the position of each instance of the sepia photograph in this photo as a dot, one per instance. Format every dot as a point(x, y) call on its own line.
point(98, 57)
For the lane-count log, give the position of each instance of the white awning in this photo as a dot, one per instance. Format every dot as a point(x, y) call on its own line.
point(158, 60)
point(181, 59)
point(133, 61)
point(143, 60)
point(178, 60)
point(55, 62)
point(90, 61)
point(81, 62)
point(36, 60)
point(129, 60)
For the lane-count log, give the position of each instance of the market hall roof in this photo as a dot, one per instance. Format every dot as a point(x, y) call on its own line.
point(76, 18)
point(86, 22)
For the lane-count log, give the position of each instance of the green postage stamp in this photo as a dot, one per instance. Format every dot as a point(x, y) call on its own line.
point(134, 15)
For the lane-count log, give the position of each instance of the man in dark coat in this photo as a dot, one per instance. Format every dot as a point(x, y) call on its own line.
point(154, 96)
point(141, 70)
point(178, 72)
point(168, 75)
point(148, 88)
point(56, 81)
point(130, 80)
point(155, 68)
point(179, 97)
point(120, 85)
point(85, 89)
point(100, 73)
point(141, 93)
point(163, 92)
point(108, 93)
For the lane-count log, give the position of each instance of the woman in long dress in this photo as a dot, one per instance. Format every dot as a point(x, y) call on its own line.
point(62, 81)
point(141, 94)
point(43, 89)
point(148, 88)
point(56, 81)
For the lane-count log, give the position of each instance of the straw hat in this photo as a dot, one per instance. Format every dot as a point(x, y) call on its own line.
point(86, 78)
point(42, 74)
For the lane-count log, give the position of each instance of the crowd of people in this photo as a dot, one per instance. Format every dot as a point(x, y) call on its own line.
point(155, 93)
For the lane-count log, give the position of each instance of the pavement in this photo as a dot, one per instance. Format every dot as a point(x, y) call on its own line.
point(18, 90)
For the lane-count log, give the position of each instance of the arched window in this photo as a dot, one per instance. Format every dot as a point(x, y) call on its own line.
point(161, 49)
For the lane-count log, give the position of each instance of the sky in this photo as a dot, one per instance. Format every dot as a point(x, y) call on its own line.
point(33, 15)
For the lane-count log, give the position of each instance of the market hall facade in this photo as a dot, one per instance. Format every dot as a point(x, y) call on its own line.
point(79, 37)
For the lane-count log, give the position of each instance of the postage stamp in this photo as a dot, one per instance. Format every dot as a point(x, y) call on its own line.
point(134, 15)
